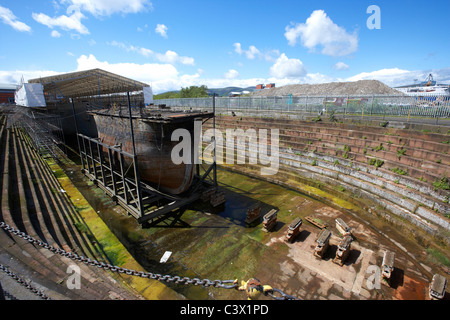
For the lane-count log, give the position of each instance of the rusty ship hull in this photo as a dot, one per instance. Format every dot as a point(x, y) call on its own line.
point(152, 138)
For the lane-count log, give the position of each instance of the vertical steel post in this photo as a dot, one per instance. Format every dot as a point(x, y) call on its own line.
point(100, 158)
point(85, 154)
point(111, 169)
point(135, 162)
point(76, 129)
point(214, 137)
point(122, 176)
point(94, 166)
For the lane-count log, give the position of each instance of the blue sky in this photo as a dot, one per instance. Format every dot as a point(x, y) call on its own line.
point(174, 44)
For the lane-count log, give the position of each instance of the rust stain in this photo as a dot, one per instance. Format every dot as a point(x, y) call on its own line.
point(153, 149)
point(412, 289)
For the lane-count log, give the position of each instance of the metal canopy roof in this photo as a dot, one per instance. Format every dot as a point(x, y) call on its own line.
point(87, 83)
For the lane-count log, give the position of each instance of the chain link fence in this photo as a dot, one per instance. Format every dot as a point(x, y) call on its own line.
point(429, 106)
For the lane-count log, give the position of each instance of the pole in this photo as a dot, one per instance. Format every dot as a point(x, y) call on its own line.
point(131, 124)
point(135, 161)
point(214, 137)
point(76, 130)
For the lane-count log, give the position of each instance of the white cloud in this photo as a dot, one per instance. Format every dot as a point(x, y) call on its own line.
point(320, 30)
point(15, 76)
point(397, 77)
point(253, 52)
point(147, 72)
point(231, 74)
point(287, 68)
point(168, 57)
point(162, 77)
point(76, 9)
point(172, 57)
point(161, 29)
point(71, 22)
point(165, 76)
point(237, 47)
point(316, 78)
point(341, 66)
point(392, 76)
point(130, 48)
point(8, 17)
point(55, 34)
point(109, 7)
point(271, 55)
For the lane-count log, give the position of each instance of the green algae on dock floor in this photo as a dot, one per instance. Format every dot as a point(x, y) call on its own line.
point(113, 248)
point(218, 244)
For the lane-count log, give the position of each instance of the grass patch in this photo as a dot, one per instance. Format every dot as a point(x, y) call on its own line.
point(442, 183)
point(380, 147)
point(376, 162)
point(401, 152)
point(399, 171)
point(438, 257)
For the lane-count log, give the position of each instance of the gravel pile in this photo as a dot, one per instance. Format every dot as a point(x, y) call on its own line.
point(361, 87)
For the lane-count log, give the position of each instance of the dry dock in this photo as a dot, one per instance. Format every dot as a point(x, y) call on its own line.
point(211, 244)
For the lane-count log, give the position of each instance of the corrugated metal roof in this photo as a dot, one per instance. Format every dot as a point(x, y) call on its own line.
point(88, 83)
point(8, 86)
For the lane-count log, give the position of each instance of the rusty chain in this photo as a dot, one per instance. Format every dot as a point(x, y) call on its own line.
point(107, 266)
point(283, 296)
point(225, 284)
point(24, 283)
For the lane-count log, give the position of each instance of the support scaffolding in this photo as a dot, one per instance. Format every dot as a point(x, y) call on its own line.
point(111, 167)
point(44, 130)
point(107, 167)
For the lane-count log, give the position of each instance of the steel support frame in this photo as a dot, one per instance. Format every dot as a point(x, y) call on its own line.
point(115, 182)
point(128, 190)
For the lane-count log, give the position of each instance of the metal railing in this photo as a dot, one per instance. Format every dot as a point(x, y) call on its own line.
point(433, 106)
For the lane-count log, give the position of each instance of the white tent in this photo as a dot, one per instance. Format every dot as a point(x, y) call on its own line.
point(148, 95)
point(30, 95)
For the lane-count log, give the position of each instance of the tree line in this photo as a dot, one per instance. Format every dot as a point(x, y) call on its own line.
point(188, 92)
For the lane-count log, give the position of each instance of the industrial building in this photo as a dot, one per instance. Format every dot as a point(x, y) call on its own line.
point(7, 93)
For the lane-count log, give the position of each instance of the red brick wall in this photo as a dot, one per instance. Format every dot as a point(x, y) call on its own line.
point(4, 96)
